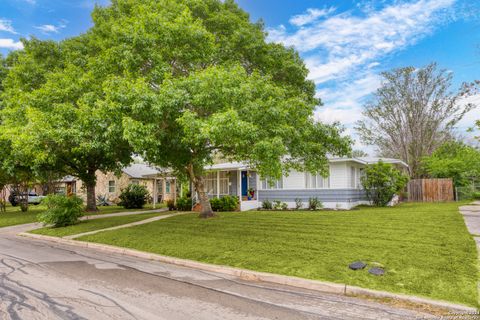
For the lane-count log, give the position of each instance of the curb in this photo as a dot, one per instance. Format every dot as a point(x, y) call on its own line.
point(315, 285)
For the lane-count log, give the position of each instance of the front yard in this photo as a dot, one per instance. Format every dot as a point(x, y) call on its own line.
point(425, 248)
point(14, 216)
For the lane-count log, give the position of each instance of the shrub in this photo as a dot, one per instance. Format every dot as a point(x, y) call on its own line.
point(284, 206)
point(61, 210)
point(225, 203)
point(277, 204)
point(298, 204)
point(184, 204)
point(133, 197)
point(381, 182)
point(171, 205)
point(267, 205)
point(314, 204)
point(229, 203)
point(102, 201)
point(216, 204)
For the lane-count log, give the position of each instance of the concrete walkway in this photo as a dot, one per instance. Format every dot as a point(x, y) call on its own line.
point(121, 214)
point(132, 224)
point(471, 215)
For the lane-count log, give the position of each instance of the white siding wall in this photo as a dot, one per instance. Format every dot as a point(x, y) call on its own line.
point(295, 180)
point(339, 176)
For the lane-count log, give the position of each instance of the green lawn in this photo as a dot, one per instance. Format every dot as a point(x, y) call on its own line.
point(95, 224)
point(14, 216)
point(425, 248)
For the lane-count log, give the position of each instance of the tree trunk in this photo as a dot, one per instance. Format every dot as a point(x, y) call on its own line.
point(91, 199)
point(198, 182)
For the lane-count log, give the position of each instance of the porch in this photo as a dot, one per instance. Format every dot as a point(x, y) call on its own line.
point(233, 179)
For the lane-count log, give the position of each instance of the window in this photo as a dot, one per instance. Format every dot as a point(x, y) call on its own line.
point(167, 186)
point(135, 182)
point(271, 184)
point(160, 186)
point(111, 186)
point(211, 183)
point(316, 181)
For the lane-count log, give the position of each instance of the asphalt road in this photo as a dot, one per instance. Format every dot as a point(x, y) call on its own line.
point(41, 280)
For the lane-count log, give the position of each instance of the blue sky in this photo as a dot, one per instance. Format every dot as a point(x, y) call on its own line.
point(346, 44)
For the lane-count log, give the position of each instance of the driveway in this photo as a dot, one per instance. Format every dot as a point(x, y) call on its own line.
point(471, 215)
point(40, 280)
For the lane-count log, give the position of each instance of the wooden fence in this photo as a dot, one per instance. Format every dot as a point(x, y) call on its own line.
point(430, 190)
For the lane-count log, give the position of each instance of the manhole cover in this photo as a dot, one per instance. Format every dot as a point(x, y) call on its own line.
point(357, 265)
point(377, 271)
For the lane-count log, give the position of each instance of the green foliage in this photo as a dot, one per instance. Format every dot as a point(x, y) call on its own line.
point(314, 204)
point(102, 200)
point(455, 160)
point(298, 204)
point(134, 196)
point(277, 204)
point(284, 206)
point(267, 205)
point(224, 204)
point(184, 204)
point(61, 210)
point(381, 182)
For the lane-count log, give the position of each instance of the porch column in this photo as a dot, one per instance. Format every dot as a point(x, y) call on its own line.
point(239, 185)
point(154, 193)
point(218, 184)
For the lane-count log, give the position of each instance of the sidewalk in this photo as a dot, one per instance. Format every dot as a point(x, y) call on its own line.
point(471, 215)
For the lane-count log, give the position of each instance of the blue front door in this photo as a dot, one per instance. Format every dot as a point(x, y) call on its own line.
point(244, 184)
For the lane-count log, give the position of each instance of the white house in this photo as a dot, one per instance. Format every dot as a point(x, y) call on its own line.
point(341, 189)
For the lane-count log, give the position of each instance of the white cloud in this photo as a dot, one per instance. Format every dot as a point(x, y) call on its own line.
point(10, 44)
point(6, 26)
point(50, 28)
point(310, 16)
point(340, 43)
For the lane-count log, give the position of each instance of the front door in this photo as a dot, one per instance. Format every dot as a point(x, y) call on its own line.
point(244, 184)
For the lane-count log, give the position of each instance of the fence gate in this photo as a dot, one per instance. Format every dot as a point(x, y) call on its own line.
point(430, 190)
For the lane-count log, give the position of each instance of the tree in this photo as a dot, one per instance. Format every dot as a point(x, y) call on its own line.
point(359, 153)
point(55, 113)
point(199, 79)
point(412, 113)
point(381, 182)
point(454, 160)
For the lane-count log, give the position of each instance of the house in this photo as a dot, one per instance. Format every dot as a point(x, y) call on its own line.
point(160, 187)
point(341, 189)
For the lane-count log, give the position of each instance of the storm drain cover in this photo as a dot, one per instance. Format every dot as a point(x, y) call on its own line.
point(357, 265)
point(377, 271)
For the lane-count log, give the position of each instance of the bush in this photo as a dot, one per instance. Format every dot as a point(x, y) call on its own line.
point(277, 204)
point(184, 204)
point(171, 205)
point(284, 206)
point(133, 197)
point(225, 203)
point(298, 204)
point(229, 203)
point(61, 210)
point(381, 182)
point(314, 204)
point(267, 205)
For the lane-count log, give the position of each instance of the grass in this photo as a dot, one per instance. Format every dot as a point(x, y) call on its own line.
point(95, 224)
point(14, 216)
point(425, 248)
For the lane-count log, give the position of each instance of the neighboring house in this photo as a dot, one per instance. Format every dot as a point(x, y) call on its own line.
point(341, 189)
point(111, 185)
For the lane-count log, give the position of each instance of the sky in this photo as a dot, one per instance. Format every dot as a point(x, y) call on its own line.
point(345, 44)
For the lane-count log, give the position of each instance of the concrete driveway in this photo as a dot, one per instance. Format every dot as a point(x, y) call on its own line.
point(40, 280)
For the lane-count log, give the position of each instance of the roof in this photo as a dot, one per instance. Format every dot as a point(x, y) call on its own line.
point(362, 160)
point(140, 170)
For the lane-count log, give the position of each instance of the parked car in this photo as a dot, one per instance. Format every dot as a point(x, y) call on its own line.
point(33, 198)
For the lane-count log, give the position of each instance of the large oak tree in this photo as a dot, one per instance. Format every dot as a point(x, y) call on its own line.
point(199, 79)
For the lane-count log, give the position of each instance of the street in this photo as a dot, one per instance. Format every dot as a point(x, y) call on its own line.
point(40, 280)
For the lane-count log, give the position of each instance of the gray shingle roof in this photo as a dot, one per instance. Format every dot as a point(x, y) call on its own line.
point(139, 170)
